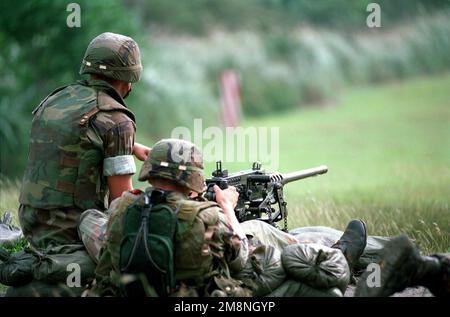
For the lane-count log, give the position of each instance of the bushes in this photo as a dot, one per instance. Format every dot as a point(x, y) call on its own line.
point(262, 96)
point(173, 91)
point(281, 68)
point(281, 71)
point(198, 17)
point(40, 53)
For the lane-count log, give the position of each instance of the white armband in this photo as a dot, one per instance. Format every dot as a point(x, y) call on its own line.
point(119, 165)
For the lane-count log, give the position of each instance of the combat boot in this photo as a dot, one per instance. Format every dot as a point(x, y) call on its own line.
point(353, 242)
point(402, 266)
point(440, 286)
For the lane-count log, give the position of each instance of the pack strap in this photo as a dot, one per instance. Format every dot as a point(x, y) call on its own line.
point(142, 234)
point(86, 116)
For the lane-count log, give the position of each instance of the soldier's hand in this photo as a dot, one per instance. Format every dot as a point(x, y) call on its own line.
point(141, 151)
point(226, 198)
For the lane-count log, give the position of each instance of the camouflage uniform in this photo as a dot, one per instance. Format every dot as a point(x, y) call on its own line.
point(81, 134)
point(209, 242)
point(219, 243)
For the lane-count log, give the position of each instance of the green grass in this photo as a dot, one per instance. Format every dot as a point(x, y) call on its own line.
point(9, 197)
point(388, 153)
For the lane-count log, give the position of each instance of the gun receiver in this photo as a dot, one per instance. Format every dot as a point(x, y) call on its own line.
point(258, 191)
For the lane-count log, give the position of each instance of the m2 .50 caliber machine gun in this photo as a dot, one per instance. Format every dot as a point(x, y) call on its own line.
point(258, 191)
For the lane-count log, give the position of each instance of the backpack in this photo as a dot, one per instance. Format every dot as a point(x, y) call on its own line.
point(139, 257)
point(147, 248)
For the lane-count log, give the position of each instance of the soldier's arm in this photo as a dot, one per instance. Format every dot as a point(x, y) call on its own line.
point(236, 238)
point(227, 200)
point(118, 184)
point(118, 165)
point(117, 133)
point(141, 151)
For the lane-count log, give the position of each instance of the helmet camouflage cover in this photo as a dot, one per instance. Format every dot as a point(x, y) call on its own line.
point(114, 56)
point(177, 160)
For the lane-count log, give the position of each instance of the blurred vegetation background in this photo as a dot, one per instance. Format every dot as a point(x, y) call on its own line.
point(289, 53)
point(299, 61)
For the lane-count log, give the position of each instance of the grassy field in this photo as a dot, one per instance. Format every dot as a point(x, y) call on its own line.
point(388, 153)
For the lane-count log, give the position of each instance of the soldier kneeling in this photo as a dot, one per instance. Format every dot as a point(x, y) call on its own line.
point(168, 240)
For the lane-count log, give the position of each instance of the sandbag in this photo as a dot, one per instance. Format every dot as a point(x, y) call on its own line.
point(17, 269)
point(292, 288)
point(34, 272)
point(263, 272)
point(316, 265)
point(328, 236)
point(55, 265)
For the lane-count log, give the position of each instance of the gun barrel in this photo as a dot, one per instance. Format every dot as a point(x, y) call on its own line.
point(285, 178)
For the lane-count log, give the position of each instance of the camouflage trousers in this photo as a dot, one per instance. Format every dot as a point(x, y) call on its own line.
point(92, 230)
point(93, 224)
point(49, 227)
point(55, 227)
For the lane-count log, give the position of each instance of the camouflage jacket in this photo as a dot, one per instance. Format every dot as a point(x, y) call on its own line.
point(196, 252)
point(80, 134)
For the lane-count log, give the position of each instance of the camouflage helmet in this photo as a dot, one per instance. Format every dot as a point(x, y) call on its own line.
point(114, 56)
point(177, 160)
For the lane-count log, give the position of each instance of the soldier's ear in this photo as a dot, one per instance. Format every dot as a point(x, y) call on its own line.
point(193, 194)
point(128, 90)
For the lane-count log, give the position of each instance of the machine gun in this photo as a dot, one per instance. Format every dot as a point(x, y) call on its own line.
point(258, 191)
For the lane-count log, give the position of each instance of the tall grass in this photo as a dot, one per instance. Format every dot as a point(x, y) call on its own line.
point(9, 197)
point(424, 220)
